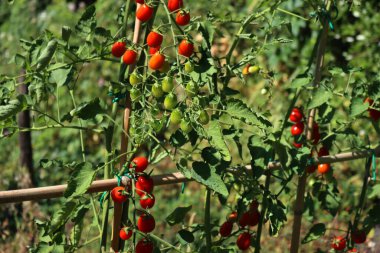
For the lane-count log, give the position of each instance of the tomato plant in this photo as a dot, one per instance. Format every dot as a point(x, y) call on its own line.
point(246, 99)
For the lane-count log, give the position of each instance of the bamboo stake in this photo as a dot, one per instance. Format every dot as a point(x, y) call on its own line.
point(300, 199)
point(15, 196)
point(120, 209)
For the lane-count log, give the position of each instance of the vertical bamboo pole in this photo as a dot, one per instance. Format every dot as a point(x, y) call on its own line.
point(300, 199)
point(121, 210)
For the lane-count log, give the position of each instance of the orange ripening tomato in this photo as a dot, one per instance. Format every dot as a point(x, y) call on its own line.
point(130, 57)
point(324, 168)
point(156, 61)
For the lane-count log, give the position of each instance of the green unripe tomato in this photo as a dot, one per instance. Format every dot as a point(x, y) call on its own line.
point(192, 89)
point(203, 118)
point(238, 187)
point(135, 94)
point(185, 126)
point(253, 69)
point(157, 90)
point(170, 101)
point(189, 67)
point(176, 117)
point(167, 84)
point(135, 78)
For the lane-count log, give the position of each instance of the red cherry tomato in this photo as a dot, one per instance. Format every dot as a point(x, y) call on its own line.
point(144, 184)
point(144, 246)
point(232, 217)
point(323, 168)
point(140, 163)
point(226, 229)
point(147, 201)
point(156, 61)
point(311, 169)
point(254, 205)
point(296, 115)
point(118, 49)
point(359, 237)
point(323, 151)
point(140, 1)
point(175, 5)
point(297, 129)
point(338, 243)
point(316, 134)
point(125, 233)
point(153, 50)
point(352, 250)
point(182, 18)
point(118, 195)
point(254, 218)
point(130, 57)
point(144, 13)
point(146, 223)
point(186, 48)
point(244, 241)
point(244, 219)
point(154, 39)
point(297, 145)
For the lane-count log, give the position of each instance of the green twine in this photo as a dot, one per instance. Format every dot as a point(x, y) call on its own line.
point(324, 13)
point(102, 198)
point(119, 178)
point(183, 187)
point(310, 161)
point(373, 165)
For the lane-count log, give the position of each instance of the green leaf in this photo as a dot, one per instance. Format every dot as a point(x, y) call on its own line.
point(282, 153)
point(237, 109)
point(357, 107)
point(66, 33)
point(61, 76)
point(100, 31)
point(314, 233)
point(88, 110)
point(80, 180)
point(62, 215)
point(300, 82)
point(76, 231)
point(320, 97)
point(185, 236)
point(207, 30)
point(206, 175)
point(12, 108)
point(277, 217)
point(46, 55)
point(178, 139)
point(375, 192)
point(216, 139)
point(87, 22)
point(178, 215)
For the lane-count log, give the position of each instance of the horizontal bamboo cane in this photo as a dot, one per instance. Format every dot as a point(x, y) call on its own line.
point(15, 196)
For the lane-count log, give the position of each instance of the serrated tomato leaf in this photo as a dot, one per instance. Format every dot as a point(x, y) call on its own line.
point(314, 233)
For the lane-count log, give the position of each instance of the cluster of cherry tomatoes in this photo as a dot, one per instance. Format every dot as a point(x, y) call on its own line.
point(143, 187)
point(339, 243)
point(163, 89)
point(297, 117)
point(247, 219)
